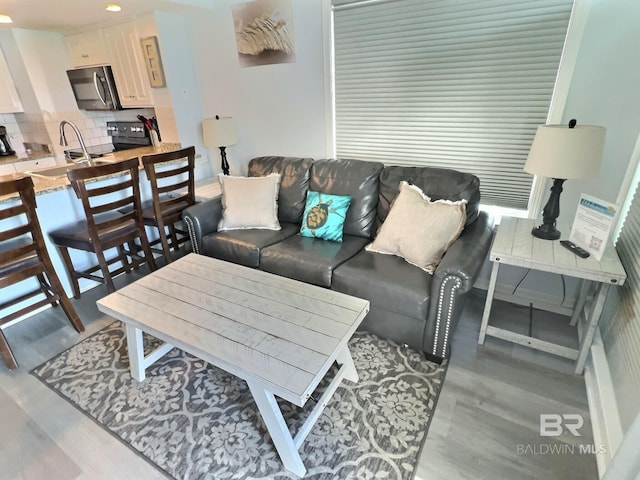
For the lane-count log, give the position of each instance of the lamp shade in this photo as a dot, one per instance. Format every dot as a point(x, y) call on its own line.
point(219, 132)
point(559, 151)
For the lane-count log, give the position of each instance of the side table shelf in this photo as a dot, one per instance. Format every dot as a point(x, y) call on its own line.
point(514, 245)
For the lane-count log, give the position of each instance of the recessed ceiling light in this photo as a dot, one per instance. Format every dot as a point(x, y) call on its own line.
point(113, 7)
point(5, 19)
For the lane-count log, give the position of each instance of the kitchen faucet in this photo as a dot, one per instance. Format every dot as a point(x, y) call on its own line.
point(63, 142)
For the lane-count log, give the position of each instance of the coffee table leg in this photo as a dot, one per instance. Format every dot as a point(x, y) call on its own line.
point(278, 430)
point(136, 352)
point(344, 358)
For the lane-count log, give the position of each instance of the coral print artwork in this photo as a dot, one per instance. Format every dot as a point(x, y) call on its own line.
point(264, 32)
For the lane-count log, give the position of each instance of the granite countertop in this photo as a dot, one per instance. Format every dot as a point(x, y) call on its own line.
point(44, 185)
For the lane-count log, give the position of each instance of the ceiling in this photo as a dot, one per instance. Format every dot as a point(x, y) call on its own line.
point(69, 15)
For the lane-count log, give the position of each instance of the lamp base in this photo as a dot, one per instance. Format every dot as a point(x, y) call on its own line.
point(223, 161)
point(546, 232)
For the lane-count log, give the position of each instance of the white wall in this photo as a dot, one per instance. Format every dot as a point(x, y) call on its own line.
point(605, 91)
point(279, 109)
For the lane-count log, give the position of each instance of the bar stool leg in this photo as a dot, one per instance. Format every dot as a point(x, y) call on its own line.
point(124, 259)
point(6, 352)
point(133, 250)
point(165, 244)
point(148, 255)
point(63, 299)
point(73, 278)
point(65, 303)
point(44, 285)
point(106, 274)
point(174, 238)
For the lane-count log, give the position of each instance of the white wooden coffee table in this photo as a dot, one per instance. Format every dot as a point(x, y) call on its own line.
point(279, 335)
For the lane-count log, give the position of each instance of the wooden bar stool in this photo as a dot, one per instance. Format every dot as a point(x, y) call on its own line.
point(23, 255)
point(172, 179)
point(105, 190)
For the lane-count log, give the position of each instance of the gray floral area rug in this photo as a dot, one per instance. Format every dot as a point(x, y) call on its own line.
point(195, 421)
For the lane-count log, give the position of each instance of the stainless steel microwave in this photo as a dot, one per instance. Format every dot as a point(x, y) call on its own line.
point(94, 88)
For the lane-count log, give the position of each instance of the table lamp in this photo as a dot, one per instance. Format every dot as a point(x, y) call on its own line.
point(220, 132)
point(562, 152)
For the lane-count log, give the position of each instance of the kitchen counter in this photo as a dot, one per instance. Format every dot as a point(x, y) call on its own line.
point(57, 205)
point(45, 185)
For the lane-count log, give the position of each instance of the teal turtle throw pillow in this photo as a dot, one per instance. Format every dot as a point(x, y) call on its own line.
point(324, 216)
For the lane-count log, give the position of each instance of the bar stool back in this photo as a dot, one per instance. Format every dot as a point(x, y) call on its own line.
point(106, 227)
point(23, 255)
point(173, 189)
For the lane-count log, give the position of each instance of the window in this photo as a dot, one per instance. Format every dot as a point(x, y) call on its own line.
point(621, 328)
point(454, 84)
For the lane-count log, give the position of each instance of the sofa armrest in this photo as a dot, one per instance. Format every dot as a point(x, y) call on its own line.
point(202, 219)
point(465, 257)
point(455, 276)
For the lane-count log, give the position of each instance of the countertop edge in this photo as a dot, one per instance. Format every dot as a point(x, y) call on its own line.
point(47, 185)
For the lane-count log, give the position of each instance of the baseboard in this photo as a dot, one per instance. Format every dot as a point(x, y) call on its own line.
point(603, 408)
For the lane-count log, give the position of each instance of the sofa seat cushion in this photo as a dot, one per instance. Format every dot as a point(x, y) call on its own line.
point(310, 260)
point(244, 246)
point(386, 281)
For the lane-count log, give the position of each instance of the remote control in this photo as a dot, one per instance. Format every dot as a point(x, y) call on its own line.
point(582, 253)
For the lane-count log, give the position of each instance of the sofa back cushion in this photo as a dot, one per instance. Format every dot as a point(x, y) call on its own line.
point(437, 183)
point(294, 183)
point(359, 180)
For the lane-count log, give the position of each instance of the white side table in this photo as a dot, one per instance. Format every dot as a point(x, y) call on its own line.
point(514, 245)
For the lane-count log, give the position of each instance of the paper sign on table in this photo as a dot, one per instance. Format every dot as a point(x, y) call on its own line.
point(592, 224)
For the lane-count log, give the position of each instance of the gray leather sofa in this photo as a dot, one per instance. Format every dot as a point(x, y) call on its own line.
point(407, 305)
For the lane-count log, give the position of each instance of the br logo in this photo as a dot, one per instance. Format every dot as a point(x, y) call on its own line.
point(553, 424)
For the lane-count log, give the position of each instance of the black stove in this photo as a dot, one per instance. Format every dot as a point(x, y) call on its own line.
point(124, 136)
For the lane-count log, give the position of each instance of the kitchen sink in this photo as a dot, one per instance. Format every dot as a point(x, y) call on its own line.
point(54, 172)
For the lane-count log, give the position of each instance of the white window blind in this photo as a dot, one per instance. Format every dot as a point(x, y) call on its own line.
point(621, 330)
point(450, 83)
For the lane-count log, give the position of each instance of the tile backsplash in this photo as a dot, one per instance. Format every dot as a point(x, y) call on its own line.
point(44, 127)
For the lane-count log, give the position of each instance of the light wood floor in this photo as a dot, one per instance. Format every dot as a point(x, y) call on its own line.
point(486, 424)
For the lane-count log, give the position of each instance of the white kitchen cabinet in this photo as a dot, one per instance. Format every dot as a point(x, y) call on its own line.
point(28, 165)
point(86, 49)
point(9, 99)
point(128, 66)
point(7, 169)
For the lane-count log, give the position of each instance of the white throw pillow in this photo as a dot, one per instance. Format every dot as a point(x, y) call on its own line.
point(249, 202)
point(419, 230)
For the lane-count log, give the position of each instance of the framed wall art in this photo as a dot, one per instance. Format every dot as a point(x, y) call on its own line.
point(264, 32)
point(153, 62)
